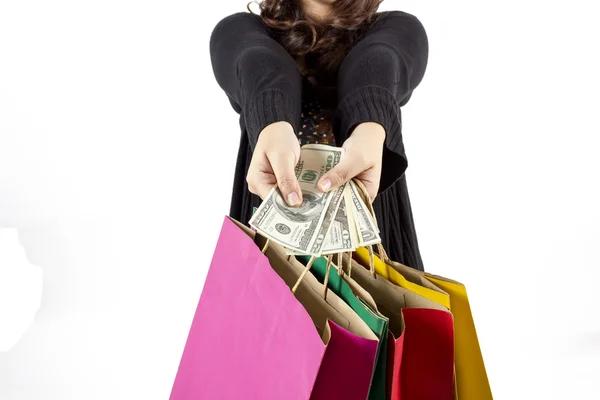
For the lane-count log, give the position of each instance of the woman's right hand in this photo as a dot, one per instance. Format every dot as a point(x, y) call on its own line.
point(275, 156)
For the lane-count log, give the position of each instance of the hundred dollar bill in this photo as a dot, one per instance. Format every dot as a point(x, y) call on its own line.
point(329, 220)
point(342, 234)
point(351, 215)
point(302, 228)
point(368, 234)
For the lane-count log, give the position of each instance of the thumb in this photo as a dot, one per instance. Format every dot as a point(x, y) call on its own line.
point(340, 174)
point(283, 168)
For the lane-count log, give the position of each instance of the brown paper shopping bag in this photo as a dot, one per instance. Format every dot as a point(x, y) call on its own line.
point(348, 339)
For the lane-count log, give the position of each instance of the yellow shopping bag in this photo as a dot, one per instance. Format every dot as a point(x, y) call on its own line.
point(471, 378)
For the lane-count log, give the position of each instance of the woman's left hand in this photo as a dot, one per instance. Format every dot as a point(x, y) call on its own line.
point(361, 160)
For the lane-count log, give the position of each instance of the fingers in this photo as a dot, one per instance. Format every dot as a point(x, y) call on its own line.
point(260, 183)
point(347, 169)
point(372, 190)
point(283, 167)
point(273, 163)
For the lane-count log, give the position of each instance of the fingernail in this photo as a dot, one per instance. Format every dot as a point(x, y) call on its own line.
point(293, 199)
point(325, 184)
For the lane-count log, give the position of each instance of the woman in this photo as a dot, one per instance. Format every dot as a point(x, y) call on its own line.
point(323, 71)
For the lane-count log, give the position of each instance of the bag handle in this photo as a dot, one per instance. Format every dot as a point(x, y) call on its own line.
point(362, 191)
point(306, 268)
point(266, 246)
point(339, 265)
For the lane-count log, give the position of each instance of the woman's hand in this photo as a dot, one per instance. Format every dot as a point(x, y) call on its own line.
point(361, 160)
point(275, 156)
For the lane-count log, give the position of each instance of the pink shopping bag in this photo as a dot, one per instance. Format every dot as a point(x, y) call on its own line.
point(252, 338)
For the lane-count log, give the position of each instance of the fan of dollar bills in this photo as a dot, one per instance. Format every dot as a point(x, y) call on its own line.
point(325, 223)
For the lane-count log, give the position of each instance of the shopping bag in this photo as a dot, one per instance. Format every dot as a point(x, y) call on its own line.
point(239, 337)
point(251, 337)
point(471, 377)
point(352, 342)
point(359, 302)
point(419, 285)
point(420, 343)
point(471, 381)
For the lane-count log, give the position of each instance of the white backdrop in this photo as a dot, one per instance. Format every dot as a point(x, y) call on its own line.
point(117, 152)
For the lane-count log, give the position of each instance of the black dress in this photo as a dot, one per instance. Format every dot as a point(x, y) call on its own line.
point(264, 85)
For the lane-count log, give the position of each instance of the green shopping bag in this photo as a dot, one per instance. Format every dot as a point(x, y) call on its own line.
point(374, 320)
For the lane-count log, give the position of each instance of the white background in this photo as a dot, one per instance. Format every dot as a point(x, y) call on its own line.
point(117, 152)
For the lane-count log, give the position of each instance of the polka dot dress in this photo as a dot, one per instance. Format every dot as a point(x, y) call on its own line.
point(316, 121)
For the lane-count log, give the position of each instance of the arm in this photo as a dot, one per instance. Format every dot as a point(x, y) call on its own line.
point(376, 78)
point(260, 78)
point(263, 84)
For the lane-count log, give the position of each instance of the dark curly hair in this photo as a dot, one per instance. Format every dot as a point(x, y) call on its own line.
point(324, 43)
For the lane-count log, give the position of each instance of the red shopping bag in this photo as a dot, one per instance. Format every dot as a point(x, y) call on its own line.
point(421, 340)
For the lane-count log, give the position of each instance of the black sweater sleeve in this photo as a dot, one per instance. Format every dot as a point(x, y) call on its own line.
point(377, 77)
point(260, 78)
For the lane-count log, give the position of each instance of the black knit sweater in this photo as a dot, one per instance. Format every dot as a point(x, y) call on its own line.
point(377, 77)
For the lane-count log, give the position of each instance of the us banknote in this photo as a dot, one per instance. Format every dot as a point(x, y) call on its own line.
point(352, 227)
point(368, 233)
point(302, 229)
point(342, 236)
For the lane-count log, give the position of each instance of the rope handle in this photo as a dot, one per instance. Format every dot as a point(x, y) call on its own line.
point(340, 264)
point(264, 250)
